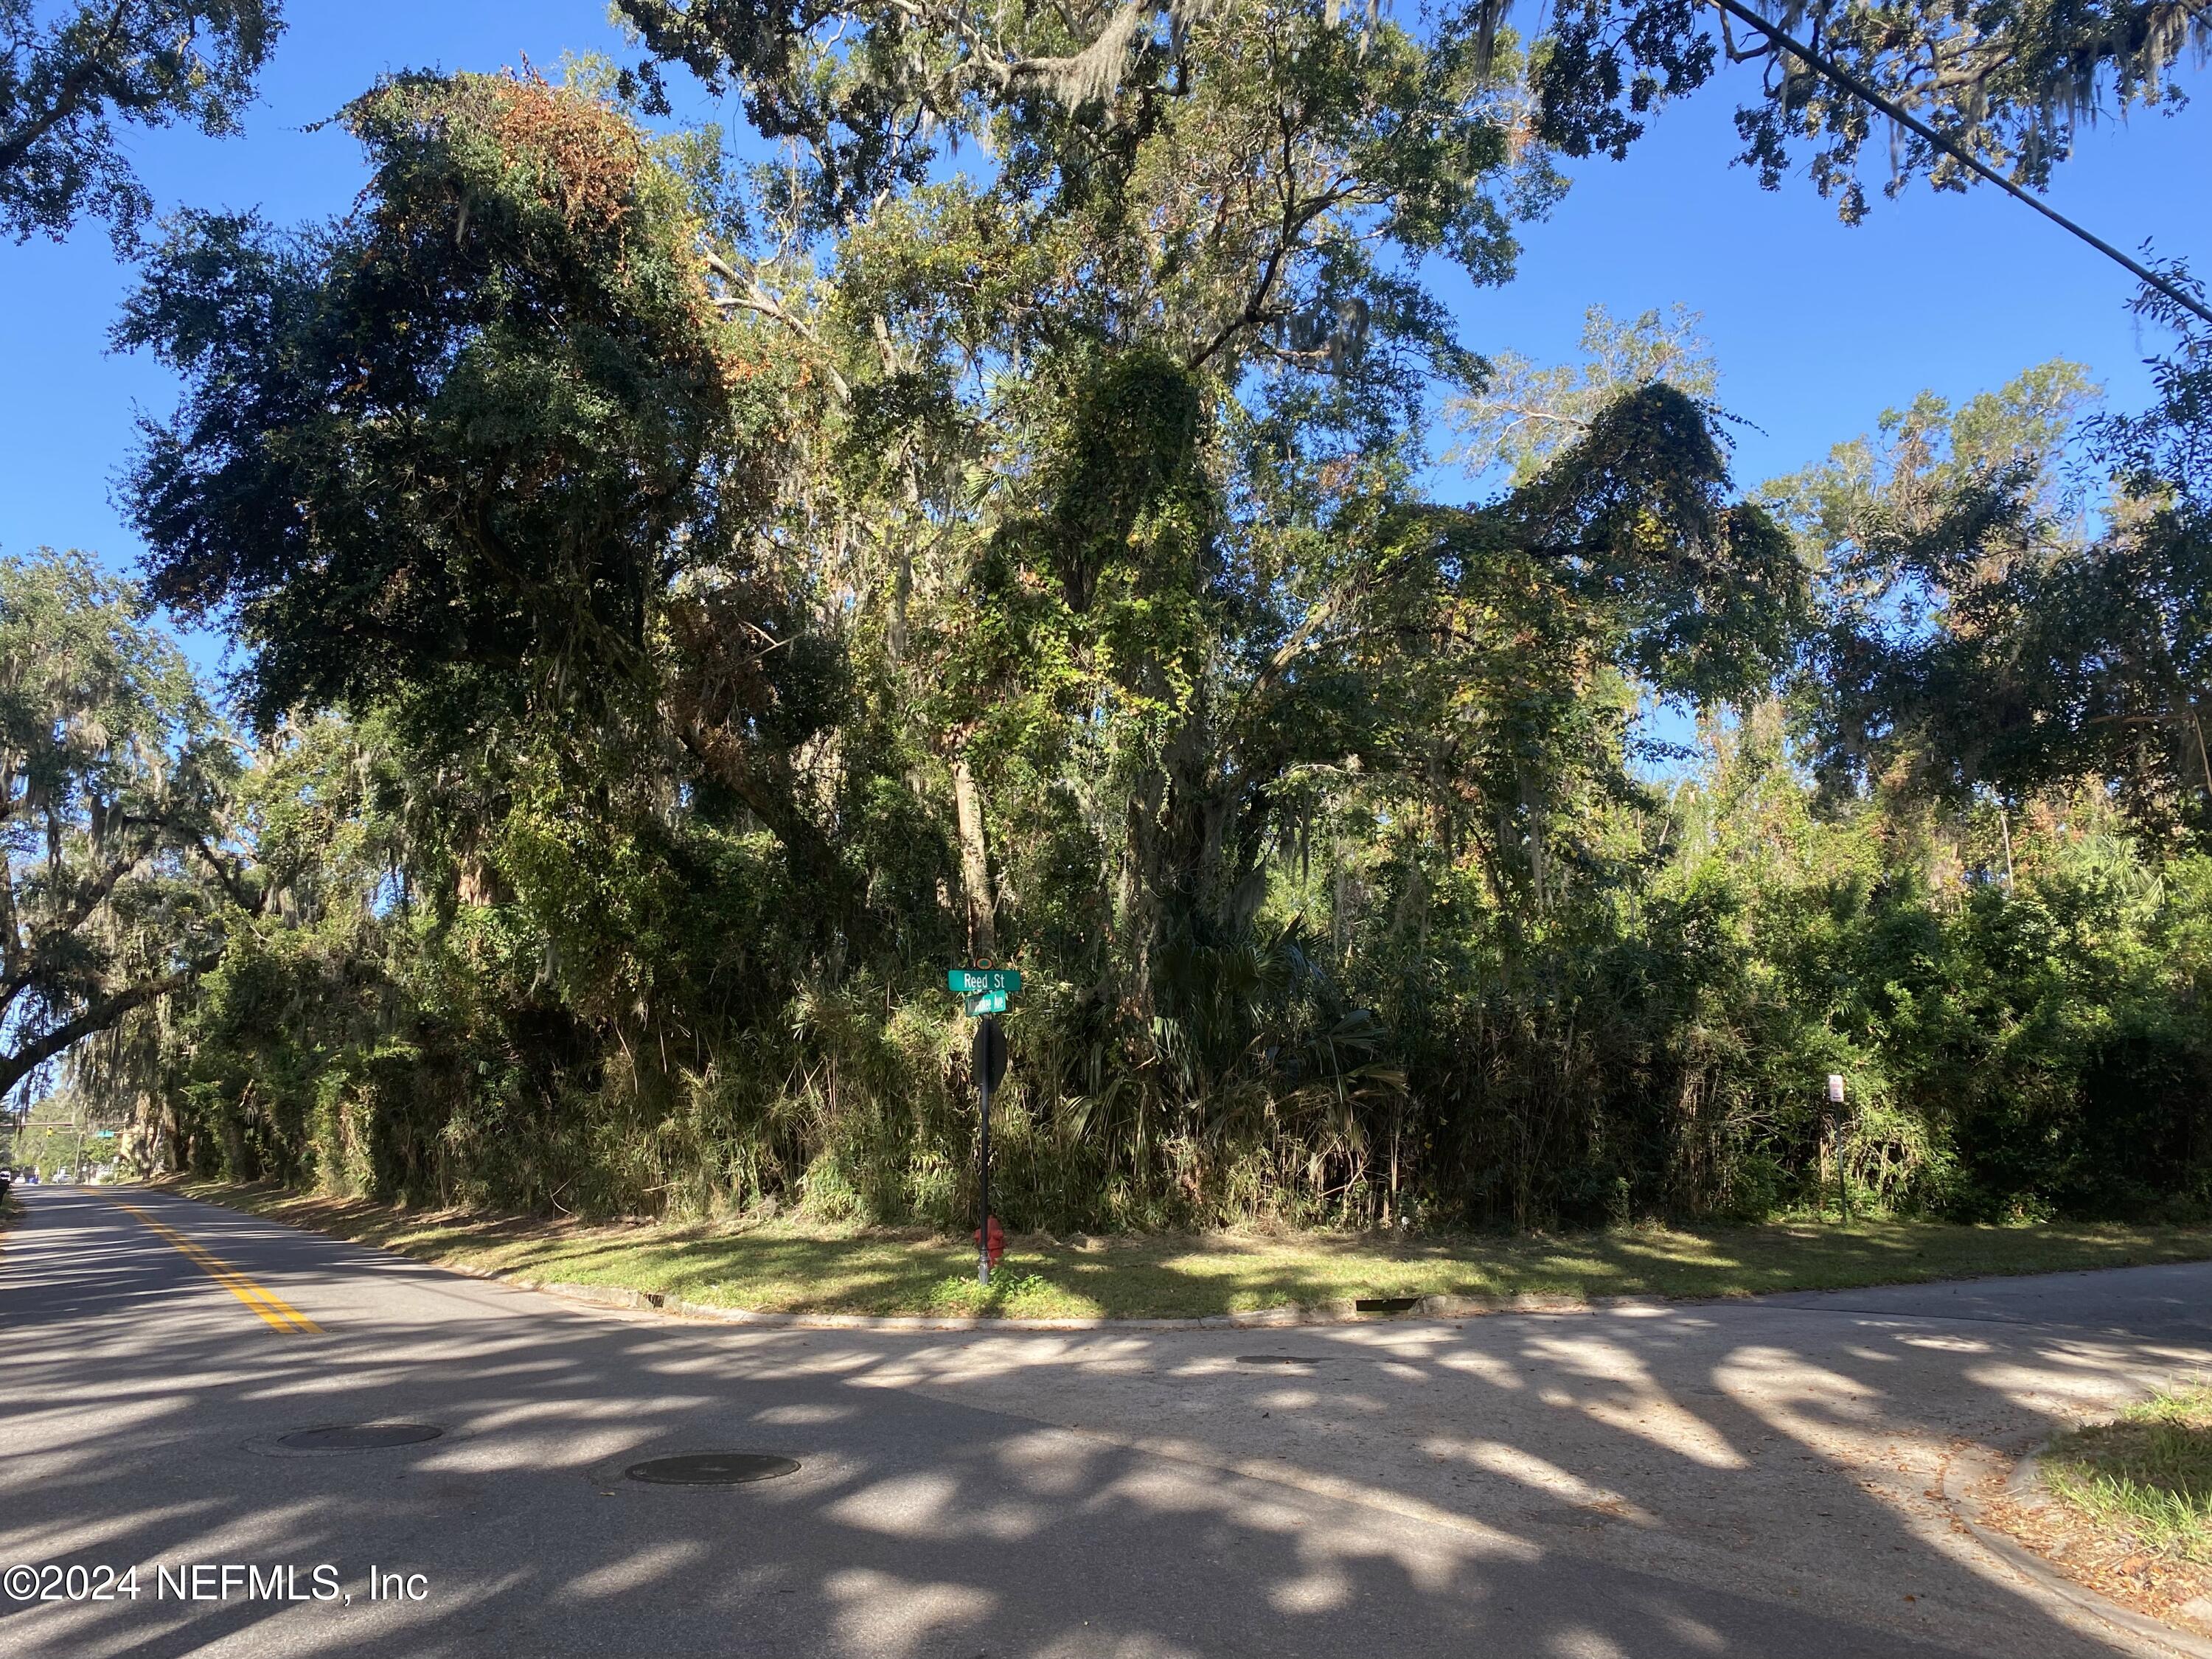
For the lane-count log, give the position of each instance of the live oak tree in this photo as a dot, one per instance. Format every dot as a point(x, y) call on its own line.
point(2054, 653)
point(2007, 84)
point(118, 883)
point(120, 878)
point(485, 458)
point(1189, 290)
point(486, 450)
point(1992, 626)
point(479, 427)
point(1032, 554)
point(1137, 417)
point(1183, 200)
point(70, 73)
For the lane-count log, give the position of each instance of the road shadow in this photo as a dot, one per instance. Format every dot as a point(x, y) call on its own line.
point(1659, 1483)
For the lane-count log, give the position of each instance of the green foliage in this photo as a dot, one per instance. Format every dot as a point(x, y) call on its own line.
point(114, 778)
point(67, 76)
point(687, 610)
point(2006, 80)
point(458, 436)
point(2149, 1472)
point(1527, 414)
point(1986, 630)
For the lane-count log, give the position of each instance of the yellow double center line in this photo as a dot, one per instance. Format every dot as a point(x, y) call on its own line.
point(271, 1306)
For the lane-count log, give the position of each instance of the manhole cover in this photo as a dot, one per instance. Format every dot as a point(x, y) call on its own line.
point(711, 1469)
point(358, 1436)
point(1278, 1360)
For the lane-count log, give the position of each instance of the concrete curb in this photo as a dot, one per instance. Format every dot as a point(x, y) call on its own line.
point(2021, 1485)
point(1324, 1313)
point(1338, 1312)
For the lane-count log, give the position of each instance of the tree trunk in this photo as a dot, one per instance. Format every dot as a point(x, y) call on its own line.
point(901, 593)
point(480, 885)
point(974, 862)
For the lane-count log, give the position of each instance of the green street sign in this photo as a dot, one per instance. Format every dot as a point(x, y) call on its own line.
point(103, 1134)
point(986, 1002)
point(974, 981)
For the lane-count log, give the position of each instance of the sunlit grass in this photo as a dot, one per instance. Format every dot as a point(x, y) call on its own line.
point(2150, 1472)
point(787, 1266)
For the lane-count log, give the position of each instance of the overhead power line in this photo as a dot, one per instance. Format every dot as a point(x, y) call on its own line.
point(1821, 64)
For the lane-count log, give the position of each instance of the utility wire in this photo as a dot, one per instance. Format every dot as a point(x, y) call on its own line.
point(1858, 89)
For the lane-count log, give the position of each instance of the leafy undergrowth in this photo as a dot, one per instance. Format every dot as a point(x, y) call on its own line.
point(787, 1266)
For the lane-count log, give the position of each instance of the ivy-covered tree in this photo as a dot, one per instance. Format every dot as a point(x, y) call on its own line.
point(1045, 561)
point(1526, 413)
point(688, 606)
point(487, 449)
point(475, 431)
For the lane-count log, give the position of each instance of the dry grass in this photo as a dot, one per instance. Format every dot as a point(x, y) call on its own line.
point(2129, 1513)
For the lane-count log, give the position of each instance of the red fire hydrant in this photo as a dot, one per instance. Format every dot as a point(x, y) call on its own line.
point(996, 1247)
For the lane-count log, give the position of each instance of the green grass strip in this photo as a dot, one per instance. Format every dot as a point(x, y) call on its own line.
point(789, 1267)
point(2150, 1472)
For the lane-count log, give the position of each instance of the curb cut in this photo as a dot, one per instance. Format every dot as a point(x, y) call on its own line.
point(2021, 1485)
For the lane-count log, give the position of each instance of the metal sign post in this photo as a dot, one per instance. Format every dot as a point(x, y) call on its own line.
point(1836, 1141)
point(983, 1174)
point(989, 1056)
point(983, 991)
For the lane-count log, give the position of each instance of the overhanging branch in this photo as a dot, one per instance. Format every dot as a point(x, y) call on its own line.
point(15, 1067)
point(1829, 70)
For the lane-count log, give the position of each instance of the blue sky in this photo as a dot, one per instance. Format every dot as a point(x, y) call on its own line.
point(1818, 326)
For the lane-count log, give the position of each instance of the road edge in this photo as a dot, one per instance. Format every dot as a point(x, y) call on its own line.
point(2045, 1579)
point(1287, 1314)
point(1434, 1306)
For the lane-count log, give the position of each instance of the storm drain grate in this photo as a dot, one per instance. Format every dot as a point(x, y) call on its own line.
point(1387, 1303)
point(722, 1469)
point(358, 1436)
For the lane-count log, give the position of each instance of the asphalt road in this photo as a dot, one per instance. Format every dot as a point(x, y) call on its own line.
point(1692, 1480)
